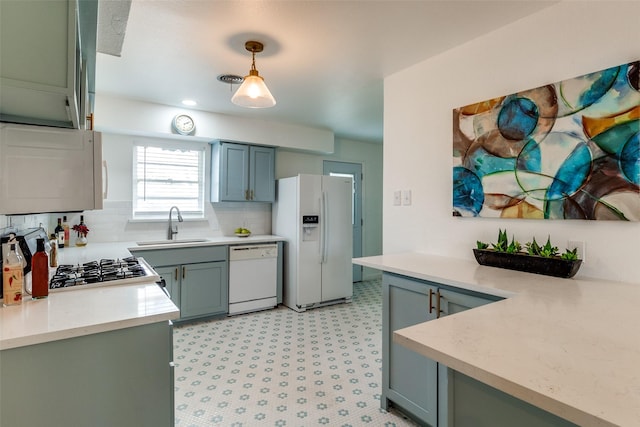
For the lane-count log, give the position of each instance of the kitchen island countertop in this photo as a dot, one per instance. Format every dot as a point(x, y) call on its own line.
point(568, 346)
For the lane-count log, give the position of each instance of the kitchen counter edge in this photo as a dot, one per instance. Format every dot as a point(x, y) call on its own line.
point(572, 373)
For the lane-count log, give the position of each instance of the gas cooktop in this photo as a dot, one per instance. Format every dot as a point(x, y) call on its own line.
point(102, 273)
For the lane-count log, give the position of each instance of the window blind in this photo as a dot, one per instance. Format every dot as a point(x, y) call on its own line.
point(165, 177)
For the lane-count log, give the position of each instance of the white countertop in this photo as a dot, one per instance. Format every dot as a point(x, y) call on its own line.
point(82, 312)
point(568, 346)
point(86, 311)
point(212, 241)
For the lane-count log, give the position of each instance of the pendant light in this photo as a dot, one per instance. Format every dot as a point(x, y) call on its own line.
point(253, 92)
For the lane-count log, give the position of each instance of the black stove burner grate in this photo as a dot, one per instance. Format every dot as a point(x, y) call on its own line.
point(96, 271)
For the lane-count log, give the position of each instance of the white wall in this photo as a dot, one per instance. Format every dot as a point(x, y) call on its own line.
point(291, 163)
point(567, 40)
point(113, 222)
point(131, 117)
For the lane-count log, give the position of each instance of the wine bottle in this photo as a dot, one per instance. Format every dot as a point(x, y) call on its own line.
point(60, 234)
point(40, 272)
point(65, 226)
point(12, 277)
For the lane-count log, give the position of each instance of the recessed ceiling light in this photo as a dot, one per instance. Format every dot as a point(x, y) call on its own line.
point(189, 102)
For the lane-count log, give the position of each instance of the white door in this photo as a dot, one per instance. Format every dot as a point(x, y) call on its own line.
point(353, 170)
point(309, 278)
point(336, 237)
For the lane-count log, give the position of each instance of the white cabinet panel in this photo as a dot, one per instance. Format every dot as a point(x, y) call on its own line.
point(49, 170)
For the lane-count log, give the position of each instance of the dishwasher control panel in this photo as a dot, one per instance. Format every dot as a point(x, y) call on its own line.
point(256, 251)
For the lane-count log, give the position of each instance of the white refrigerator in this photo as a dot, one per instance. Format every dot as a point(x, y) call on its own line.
point(314, 214)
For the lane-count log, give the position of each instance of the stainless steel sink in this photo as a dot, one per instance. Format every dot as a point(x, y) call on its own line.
point(169, 242)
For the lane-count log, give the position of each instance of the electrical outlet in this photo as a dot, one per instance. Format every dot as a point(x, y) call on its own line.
point(397, 198)
point(582, 247)
point(406, 197)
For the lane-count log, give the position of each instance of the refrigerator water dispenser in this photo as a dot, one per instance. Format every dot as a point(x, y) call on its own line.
point(310, 229)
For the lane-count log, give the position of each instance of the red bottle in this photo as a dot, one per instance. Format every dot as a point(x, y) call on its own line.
point(40, 272)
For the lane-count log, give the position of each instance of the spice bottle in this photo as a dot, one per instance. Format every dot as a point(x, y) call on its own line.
point(12, 277)
point(53, 253)
point(40, 272)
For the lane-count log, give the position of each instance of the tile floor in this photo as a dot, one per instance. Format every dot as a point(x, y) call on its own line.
point(282, 368)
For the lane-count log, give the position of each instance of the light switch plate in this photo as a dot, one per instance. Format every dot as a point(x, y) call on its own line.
point(406, 197)
point(397, 198)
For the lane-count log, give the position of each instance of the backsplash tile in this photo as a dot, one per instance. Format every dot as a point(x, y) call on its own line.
point(112, 223)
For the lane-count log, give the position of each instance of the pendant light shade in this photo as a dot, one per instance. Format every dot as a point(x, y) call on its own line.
point(253, 92)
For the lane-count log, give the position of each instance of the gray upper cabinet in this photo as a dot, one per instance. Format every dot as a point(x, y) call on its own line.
point(47, 60)
point(242, 172)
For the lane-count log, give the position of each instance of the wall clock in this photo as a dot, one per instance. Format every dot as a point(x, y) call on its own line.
point(183, 124)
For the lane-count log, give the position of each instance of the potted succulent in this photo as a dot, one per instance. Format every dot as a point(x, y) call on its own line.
point(537, 259)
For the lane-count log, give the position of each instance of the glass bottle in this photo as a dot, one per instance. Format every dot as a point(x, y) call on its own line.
point(60, 233)
point(65, 227)
point(12, 277)
point(40, 272)
point(53, 254)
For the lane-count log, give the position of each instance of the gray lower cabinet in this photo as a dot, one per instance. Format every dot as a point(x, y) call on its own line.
point(409, 380)
point(122, 377)
point(196, 278)
point(429, 392)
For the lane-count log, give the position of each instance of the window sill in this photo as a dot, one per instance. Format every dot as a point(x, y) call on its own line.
point(174, 220)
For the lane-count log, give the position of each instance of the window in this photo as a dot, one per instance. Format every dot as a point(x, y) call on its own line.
point(166, 175)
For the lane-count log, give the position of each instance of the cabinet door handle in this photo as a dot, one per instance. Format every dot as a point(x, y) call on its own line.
point(175, 275)
point(251, 193)
point(246, 194)
point(438, 311)
point(430, 301)
point(184, 272)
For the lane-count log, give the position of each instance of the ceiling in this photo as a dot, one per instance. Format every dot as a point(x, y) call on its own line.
point(324, 61)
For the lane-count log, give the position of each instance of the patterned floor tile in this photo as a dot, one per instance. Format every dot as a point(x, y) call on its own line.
point(283, 368)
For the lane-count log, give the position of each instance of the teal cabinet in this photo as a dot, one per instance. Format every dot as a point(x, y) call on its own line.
point(413, 383)
point(47, 61)
point(122, 377)
point(409, 380)
point(429, 392)
point(242, 172)
point(171, 276)
point(195, 277)
point(204, 290)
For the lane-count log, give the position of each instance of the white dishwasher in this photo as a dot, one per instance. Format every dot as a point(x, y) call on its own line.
point(253, 277)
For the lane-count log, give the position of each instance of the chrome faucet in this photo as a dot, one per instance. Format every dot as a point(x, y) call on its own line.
point(173, 230)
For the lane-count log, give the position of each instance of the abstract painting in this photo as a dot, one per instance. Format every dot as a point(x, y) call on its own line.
point(568, 150)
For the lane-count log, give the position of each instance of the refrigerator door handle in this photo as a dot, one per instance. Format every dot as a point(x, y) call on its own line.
point(325, 226)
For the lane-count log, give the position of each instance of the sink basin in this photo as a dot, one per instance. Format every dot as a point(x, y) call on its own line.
point(169, 242)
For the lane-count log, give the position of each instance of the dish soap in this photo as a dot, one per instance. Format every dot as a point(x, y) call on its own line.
point(12, 277)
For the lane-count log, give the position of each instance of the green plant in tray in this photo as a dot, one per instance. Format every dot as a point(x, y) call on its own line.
point(570, 255)
point(532, 248)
